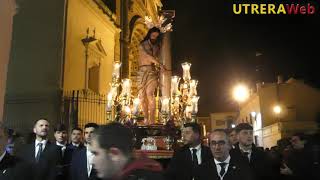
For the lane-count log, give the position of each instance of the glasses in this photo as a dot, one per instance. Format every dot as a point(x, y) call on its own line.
point(220, 143)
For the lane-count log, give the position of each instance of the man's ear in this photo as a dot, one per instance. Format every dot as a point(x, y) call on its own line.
point(115, 154)
point(34, 130)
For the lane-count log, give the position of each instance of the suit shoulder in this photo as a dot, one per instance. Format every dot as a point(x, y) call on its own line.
point(79, 152)
point(205, 148)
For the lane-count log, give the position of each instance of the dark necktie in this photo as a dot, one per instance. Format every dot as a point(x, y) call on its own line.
point(194, 157)
point(39, 152)
point(194, 162)
point(222, 171)
point(246, 155)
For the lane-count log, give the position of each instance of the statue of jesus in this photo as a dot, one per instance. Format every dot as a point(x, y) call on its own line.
point(148, 74)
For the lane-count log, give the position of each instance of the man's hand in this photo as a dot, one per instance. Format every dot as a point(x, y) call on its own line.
point(286, 170)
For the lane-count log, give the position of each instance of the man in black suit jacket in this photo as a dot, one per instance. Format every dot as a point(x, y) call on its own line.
point(81, 164)
point(43, 155)
point(257, 159)
point(185, 161)
point(76, 139)
point(222, 166)
point(61, 136)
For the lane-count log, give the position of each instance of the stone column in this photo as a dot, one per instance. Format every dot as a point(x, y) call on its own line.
point(7, 11)
point(165, 76)
point(124, 39)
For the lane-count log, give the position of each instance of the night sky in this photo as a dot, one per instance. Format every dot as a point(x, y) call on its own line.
point(222, 48)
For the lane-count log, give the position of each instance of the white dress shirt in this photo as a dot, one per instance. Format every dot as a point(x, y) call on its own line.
point(227, 161)
point(89, 161)
point(198, 153)
point(2, 156)
point(76, 145)
point(44, 142)
point(63, 147)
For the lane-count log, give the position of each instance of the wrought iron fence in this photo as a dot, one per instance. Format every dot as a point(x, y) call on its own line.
point(83, 106)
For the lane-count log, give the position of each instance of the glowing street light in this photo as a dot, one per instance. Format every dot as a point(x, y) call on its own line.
point(277, 109)
point(241, 93)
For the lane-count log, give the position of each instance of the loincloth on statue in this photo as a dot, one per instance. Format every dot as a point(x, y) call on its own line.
point(146, 75)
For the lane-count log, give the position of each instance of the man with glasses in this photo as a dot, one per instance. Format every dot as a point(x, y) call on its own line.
point(222, 166)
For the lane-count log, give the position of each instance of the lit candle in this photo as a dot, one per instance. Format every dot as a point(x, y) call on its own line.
point(184, 89)
point(136, 102)
point(109, 101)
point(175, 85)
point(188, 111)
point(116, 70)
point(186, 71)
point(126, 87)
point(127, 110)
point(113, 91)
point(165, 104)
point(194, 104)
point(193, 87)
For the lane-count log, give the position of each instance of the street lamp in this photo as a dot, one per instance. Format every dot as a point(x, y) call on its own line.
point(240, 93)
point(277, 109)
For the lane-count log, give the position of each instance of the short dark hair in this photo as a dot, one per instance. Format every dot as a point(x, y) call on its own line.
point(229, 131)
point(301, 136)
point(36, 121)
point(60, 127)
point(76, 128)
point(115, 135)
point(91, 125)
point(195, 127)
point(243, 126)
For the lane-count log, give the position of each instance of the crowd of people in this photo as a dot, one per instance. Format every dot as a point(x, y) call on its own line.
point(107, 152)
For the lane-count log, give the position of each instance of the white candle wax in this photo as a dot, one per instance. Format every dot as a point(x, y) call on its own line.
point(136, 102)
point(186, 71)
point(165, 104)
point(116, 70)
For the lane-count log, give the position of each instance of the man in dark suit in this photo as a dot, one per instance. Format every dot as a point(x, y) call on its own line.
point(257, 159)
point(76, 139)
point(81, 164)
point(43, 155)
point(185, 161)
point(299, 164)
point(222, 166)
point(61, 136)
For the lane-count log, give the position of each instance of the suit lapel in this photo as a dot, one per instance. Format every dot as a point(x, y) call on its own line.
point(84, 162)
point(204, 155)
point(47, 147)
point(213, 170)
point(231, 170)
point(32, 151)
point(188, 157)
